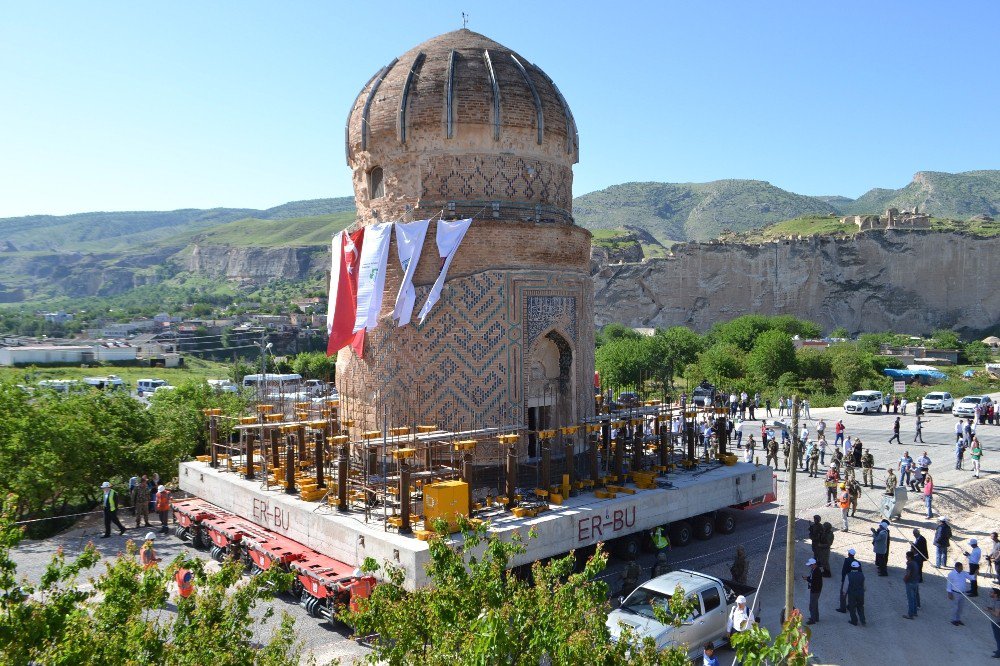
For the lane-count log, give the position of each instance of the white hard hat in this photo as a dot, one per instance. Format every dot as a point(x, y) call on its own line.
point(810, 562)
point(150, 536)
point(973, 542)
point(741, 599)
point(161, 489)
point(852, 552)
point(357, 573)
point(105, 485)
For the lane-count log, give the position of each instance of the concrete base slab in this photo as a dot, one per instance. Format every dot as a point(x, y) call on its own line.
point(580, 521)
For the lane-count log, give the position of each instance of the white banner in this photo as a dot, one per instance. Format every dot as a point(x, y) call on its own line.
point(409, 243)
point(449, 237)
point(337, 251)
point(371, 274)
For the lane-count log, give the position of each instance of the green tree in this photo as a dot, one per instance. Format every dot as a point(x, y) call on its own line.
point(315, 365)
point(615, 331)
point(814, 364)
point(477, 611)
point(623, 361)
point(805, 329)
point(58, 448)
point(671, 350)
point(741, 332)
point(120, 619)
point(977, 353)
point(789, 648)
point(181, 423)
point(945, 339)
point(773, 355)
point(721, 363)
point(853, 368)
point(840, 332)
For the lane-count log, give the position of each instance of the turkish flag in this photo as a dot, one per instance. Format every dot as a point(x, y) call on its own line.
point(344, 293)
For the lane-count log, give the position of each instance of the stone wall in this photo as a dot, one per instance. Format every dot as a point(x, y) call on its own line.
point(908, 281)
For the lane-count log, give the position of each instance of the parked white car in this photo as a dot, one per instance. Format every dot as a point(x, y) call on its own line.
point(864, 402)
point(938, 402)
point(966, 407)
point(714, 597)
point(149, 385)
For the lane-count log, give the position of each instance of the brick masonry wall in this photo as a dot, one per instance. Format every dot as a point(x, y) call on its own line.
point(463, 368)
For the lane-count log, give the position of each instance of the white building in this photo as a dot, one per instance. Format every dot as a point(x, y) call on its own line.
point(66, 354)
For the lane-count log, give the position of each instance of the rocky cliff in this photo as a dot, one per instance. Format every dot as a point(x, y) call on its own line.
point(255, 265)
point(907, 281)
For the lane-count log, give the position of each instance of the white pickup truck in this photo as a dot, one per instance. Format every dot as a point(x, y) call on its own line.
point(707, 624)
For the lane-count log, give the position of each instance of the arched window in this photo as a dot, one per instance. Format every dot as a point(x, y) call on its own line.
point(376, 184)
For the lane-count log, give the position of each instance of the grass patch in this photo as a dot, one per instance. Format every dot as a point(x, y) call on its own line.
point(252, 232)
point(195, 369)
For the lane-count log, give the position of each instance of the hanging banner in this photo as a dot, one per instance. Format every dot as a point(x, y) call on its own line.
point(371, 275)
point(449, 237)
point(341, 312)
point(409, 244)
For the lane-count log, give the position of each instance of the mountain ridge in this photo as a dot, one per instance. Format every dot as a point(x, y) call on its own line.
point(670, 212)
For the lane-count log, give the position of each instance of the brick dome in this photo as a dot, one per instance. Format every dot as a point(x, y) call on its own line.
point(462, 123)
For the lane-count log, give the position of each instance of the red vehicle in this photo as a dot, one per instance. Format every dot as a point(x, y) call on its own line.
point(329, 586)
point(323, 585)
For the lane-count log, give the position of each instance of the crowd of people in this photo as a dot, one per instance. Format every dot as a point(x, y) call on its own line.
point(847, 456)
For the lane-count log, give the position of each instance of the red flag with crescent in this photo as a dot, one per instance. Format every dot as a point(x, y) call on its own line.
point(343, 297)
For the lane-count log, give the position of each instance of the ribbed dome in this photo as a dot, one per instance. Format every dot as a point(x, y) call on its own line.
point(461, 92)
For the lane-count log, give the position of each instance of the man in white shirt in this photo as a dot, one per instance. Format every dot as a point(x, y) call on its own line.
point(975, 556)
point(958, 583)
point(739, 618)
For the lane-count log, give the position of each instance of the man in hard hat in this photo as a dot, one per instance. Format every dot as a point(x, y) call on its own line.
point(844, 502)
point(147, 555)
point(185, 582)
point(358, 587)
point(163, 507)
point(739, 617)
point(109, 503)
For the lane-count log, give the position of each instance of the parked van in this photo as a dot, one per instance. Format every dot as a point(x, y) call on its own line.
point(59, 385)
point(109, 383)
point(283, 383)
point(864, 402)
point(149, 385)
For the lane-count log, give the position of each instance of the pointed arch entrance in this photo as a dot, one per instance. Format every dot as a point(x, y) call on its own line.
point(550, 386)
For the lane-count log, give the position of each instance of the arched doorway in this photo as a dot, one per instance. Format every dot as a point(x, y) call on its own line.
point(550, 386)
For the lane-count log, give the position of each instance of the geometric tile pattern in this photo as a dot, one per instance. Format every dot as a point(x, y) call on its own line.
point(495, 178)
point(463, 367)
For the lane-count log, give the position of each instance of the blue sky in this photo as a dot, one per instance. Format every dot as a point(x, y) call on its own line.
point(153, 106)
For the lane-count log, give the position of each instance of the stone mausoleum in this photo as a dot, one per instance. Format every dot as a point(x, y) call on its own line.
point(458, 127)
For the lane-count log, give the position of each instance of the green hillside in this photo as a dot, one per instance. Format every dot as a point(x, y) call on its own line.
point(254, 232)
point(837, 201)
point(693, 211)
point(669, 212)
point(119, 231)
point(946, 195)
point(830, 225)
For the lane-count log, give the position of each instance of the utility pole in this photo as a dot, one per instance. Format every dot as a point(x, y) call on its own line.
point(261, 387)
point(790, 529)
